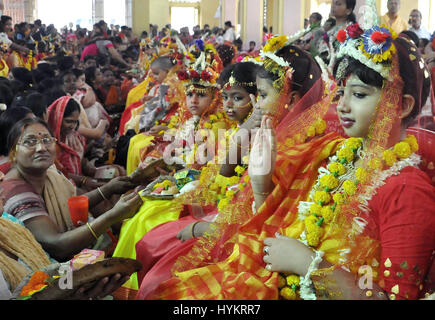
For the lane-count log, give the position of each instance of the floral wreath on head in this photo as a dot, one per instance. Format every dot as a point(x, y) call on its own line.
point(202, 71)
point(275, 64)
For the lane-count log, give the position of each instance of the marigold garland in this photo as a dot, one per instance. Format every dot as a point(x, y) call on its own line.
point(333, 187)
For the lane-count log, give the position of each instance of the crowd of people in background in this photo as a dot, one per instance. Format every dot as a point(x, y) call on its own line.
point(87, 112)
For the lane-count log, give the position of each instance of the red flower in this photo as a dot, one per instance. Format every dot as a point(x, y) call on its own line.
point(342, 35)
point(205, 75)
point(379, 37)
point(194, 74)
point(354, 31)
point(182, 75)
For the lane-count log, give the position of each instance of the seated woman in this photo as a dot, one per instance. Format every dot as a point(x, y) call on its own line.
point(63, 119)
point(37, 194)
point(93, 78)
point(111, 89)
point(278, 94)
point(21, 255)
point(203, 104)
point(344, 206)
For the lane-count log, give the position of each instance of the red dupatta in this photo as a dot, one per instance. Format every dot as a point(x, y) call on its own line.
point(68, 158)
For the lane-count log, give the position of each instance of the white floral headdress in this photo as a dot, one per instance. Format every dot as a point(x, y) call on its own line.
point(368, 42)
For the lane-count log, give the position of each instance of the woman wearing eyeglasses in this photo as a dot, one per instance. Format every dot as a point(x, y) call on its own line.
point(38, 198)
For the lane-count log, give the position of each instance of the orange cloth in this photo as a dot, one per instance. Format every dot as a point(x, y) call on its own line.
point(112, 96)
point(242, 275)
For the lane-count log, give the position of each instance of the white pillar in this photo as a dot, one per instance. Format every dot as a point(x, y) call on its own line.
point(97, 10)
point(129, 13)
point(254, 22)
point(29, 11)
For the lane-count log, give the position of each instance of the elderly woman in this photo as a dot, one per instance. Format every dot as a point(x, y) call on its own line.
point(21, 255)
point(37, 194)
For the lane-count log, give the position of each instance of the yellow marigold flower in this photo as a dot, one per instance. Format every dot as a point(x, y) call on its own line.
point(389, 157)
point(311, 131)
point(412, 141)
point(230, 194)
point(214, 187)
point(327, 214)
point(161, 132)
point(281, 282)
point(219, 115)
point(320, 126)
point(233, 180)
point(240, 170)
point(241, 187)
point(375, 164)
point(361, 175)
point(353, 143)
point(170, 126)
point(337, 168)
point(322, 197)
point(223, 203)
point(223, 190)
point(349, 187)
point(247, 179)
point(346, 155)
point(311, 220)
point(316, 209)
point(402, 150)
point(275, 43)
point(288, 294)
point(338, 198)
point(156, 123)
point(208, 125)
point(329, 181)
point(314, 236)
point(293, 280)
point(213, 117)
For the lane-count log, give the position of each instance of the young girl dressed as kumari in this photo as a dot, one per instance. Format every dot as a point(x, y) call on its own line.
point(200, 111)
point(331, 210)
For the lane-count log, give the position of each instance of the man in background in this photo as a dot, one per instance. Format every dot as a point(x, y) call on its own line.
point(392, 18)
point(230, 34)
point(416, 27)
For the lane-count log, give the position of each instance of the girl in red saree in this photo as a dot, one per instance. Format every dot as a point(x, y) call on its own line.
point(340, 206)
point(200, 110)
point(297, 93)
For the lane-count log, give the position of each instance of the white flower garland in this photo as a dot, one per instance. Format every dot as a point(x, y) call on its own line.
point(364, 198)
point(349, 49)
point(280, 61)
point(307, 291)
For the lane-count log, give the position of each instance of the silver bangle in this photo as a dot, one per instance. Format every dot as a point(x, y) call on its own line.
point(101, 193)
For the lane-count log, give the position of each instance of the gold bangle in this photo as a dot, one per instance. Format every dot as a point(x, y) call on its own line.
point(84, 179)
point(193, 228)
point(92, 231)
point(101, 193)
